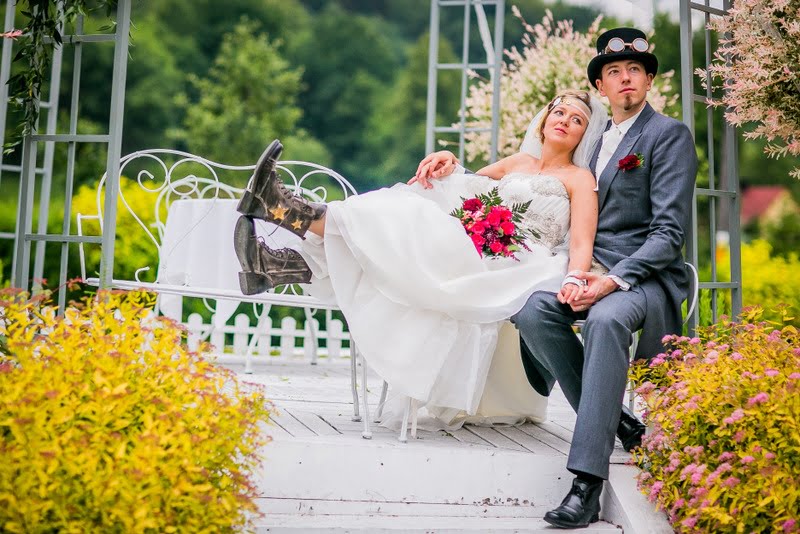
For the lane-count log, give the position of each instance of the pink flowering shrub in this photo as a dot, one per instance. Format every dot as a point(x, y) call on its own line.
point(758, 66)
point(723, 454)
point(553, 58)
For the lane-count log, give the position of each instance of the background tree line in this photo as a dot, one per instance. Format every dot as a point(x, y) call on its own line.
point(341, 82)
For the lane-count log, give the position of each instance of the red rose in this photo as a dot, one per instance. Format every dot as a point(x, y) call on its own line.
point(478, 241)
point(496, 247)
point(478, 227)
point(495, 217)
point(506, 214)
point(630, 162)
point(507, 228)
point(472, 204)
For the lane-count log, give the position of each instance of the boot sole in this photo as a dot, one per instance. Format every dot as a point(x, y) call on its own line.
point(253, 283)
point(563, 524)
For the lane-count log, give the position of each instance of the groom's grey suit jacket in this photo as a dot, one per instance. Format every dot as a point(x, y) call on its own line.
point(644, 217)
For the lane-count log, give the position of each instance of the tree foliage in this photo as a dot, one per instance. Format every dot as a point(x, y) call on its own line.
point(248, 98)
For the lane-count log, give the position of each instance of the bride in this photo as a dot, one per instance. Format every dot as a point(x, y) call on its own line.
point(423, 307)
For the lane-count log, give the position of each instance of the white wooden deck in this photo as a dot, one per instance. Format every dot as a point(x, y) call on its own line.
point(320, 475)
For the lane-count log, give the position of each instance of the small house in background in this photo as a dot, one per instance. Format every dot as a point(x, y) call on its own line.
point(766, 203)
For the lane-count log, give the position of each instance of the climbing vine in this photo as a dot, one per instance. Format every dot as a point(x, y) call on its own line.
point(37, 41)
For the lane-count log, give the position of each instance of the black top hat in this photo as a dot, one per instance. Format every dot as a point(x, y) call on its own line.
point(628, 35)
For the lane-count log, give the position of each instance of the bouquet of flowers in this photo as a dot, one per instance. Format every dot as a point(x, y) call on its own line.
point(493, 226)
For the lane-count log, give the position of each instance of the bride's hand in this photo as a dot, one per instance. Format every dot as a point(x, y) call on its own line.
point(435, 165)
point(570, 292)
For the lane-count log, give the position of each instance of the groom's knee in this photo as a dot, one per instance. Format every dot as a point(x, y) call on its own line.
point(539, 306)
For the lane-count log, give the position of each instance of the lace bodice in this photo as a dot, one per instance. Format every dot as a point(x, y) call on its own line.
point(548, 214)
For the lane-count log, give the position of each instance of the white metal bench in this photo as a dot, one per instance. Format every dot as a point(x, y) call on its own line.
point(189, 218)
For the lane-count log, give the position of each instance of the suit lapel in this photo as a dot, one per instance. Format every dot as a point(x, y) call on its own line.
point(596, 154)
point(608, 174)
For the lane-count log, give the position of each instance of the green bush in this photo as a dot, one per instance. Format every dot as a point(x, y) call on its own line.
point(108, 423)
point(724, 408)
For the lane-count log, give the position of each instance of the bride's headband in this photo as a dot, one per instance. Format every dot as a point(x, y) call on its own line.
point(575, 102)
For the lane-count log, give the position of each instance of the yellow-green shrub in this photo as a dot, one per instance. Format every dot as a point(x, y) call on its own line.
point(133, 249)
point(109, 424)
point(767, 281)
point(724, 452)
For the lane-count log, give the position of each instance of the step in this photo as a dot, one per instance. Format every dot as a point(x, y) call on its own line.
point(336, 469)
point(291, 523)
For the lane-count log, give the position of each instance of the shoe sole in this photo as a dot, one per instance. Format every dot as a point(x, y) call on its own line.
point(250, 282)
point(249, 204)
point(560, 524)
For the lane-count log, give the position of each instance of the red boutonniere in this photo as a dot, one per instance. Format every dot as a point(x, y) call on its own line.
point(630, 162)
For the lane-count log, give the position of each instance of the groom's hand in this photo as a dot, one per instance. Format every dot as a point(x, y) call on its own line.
point(435, 165)
point(598, 286)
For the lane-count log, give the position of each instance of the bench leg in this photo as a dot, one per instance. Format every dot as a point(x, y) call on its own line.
point(312, 333)
point(354, 379)
point(367, 433)
point(384, 390)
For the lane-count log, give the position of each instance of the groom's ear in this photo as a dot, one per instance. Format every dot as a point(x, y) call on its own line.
point(599, 84)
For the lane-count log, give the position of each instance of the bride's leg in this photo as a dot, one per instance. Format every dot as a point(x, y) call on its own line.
point(318, 226)
point(267, 198)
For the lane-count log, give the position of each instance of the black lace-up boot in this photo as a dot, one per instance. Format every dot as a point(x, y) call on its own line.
point(580, 508)
point(267, 198)
point(262, 267)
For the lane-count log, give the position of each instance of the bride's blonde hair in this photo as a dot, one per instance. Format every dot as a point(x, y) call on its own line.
point(584, 103)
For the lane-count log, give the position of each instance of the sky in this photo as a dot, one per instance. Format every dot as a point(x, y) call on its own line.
point(640, 11)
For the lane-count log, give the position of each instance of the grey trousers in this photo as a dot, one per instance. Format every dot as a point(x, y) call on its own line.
point(592, 375)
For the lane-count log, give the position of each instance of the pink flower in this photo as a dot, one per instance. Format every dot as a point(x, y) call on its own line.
point(645, 388)
point(731, 482)
point(771, 372)
point(758, 399)
point(789, 525)
point(739, 436)
point(689, 522)
point(655, 490)
point(725, 456)
point(794, 376)
point(769, 455)
point(478, 241)
point(666, 338)
point(507, 227)
point(694, 341)
point(655, 362)
point(494, 218)
point(747, 459)
point(697, 477)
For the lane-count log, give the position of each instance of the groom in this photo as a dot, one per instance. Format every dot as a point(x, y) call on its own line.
point(645, 165)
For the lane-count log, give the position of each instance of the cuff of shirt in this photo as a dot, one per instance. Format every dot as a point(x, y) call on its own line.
point(623, 285)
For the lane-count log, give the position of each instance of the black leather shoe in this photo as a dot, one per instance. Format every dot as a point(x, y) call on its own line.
point(630, 430)
point(262, 267)
point(580, 508)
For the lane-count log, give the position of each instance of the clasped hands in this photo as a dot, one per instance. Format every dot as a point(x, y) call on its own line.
point(435, 165)
point(582, 289)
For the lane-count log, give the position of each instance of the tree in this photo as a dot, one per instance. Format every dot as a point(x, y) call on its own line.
point(248, 98)
point(394, 139)
point(348, 60)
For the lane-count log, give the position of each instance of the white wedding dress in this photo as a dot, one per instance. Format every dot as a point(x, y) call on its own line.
point(425, 309)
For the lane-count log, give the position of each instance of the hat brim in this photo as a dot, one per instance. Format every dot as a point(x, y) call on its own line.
point(595, 67)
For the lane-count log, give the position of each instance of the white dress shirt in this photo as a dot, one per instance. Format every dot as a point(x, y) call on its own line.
point(611, 140)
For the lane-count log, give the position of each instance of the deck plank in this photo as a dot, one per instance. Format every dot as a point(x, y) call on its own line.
point(532, 444)
point(495, 438)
